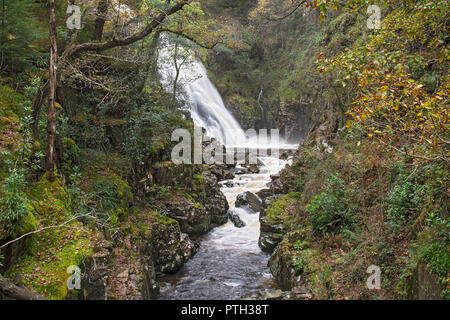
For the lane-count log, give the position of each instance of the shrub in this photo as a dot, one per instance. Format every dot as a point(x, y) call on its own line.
point(329, 212)
point(402, 201)
point(14, 203)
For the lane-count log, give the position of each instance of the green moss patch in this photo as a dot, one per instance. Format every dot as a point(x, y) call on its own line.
point(52, 251)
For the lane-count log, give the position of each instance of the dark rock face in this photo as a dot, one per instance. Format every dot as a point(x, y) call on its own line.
point(95, 272)
point(271, 235)
point(276, 185)
point(215, 203)
point(234, 217)
point(280, 267)
point(249, 200)
point(294, 121)
point(423, 284)
point(200, 205)
point(152, 243)
point(192, 217)
point(171, 248)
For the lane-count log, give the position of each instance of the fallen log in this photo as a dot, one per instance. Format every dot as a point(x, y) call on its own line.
point(10, 291)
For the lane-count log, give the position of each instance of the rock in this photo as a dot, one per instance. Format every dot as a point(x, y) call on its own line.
point(273, 295)
point(300, 293)
point(271, 234)
point(171, 248)
point(423, 284)
point(214, 201)
point(281, 268)
point(95, 271)
point(234, 217)
point(248, 200)
point(241, 170)
point(229, 174)
point(264, 193)
point(253, 168)
point(294, 121)
point(229, 184)
point(192, 216)
point(268, 241)
point(218, 171)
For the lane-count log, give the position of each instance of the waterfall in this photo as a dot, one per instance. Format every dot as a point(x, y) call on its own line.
point(204, 101)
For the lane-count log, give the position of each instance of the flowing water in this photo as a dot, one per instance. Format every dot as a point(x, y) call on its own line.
point(229, 263)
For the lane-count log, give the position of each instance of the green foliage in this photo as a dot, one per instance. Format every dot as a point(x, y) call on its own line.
point(149, 134)
point(329, 212)
point(19, 31)
point(14, 203)
point(404, 198)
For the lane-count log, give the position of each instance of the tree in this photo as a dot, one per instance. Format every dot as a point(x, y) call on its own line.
point(51, 120)
point(157, 18)
point(102, 11)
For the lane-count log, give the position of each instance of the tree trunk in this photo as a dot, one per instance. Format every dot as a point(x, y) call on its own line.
point(3, 33)
point(106, 45)
point(102, 11)
point(51, 119)
point(9, 291)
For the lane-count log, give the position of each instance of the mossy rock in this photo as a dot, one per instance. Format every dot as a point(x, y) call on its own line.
point(52, 251)
point(279, 211)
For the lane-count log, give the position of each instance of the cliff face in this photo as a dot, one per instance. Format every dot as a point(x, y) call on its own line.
point(295, 121)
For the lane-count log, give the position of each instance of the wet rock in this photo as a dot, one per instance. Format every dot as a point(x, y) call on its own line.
point(229, 174)
point(253, 168)
point(248, 200)
point(264, 193)
point(268, 241)
point(234, 217)
point(192, 216)
point(229, 184)
point(276, 186)
point(214, 201)
point(171, 248)
point(241, 170)
point(294, 121)
point(273, 295)
point(218, 171)
point(280, 264)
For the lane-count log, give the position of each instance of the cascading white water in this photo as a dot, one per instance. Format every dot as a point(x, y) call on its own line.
point(229, 263)
point(204, 101)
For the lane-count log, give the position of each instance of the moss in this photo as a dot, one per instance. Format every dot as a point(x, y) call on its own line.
point(29, 223)
point(278, 211)
point(52, 251)
point(11, 102)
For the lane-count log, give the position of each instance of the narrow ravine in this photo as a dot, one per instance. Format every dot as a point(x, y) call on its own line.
point(229, 264)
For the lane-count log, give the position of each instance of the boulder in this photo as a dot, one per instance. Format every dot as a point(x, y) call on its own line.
point(249, 200)
point(270, 235)
point(234, 217)
point(241, 170)
point(253, 168)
